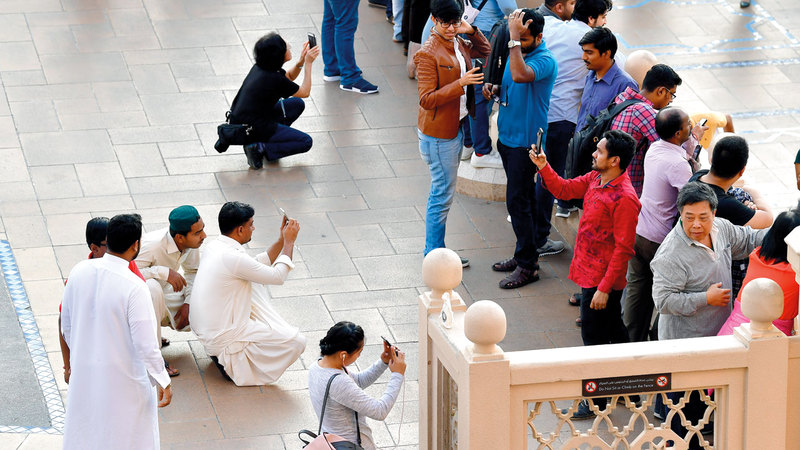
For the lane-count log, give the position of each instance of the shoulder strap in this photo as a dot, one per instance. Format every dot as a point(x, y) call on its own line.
point(358, 430)
point(618, 108)
point(325, 402)
point(480, 7)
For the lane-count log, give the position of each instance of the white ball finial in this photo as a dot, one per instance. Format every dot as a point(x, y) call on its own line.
point(441, 271)
point(485, 326)
point(762, 302)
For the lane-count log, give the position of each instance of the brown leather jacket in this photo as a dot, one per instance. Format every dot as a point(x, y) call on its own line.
point(438, 73)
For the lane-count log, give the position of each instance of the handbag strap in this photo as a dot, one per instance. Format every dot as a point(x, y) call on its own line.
point(325, 402)
point(480, 7)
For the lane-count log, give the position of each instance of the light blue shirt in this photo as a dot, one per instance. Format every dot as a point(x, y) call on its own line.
point(491, 12)
point(562, 40)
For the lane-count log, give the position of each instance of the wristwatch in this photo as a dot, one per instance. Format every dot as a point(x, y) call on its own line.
point(512, 43)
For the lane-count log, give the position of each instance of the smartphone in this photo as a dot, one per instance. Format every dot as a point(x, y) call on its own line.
point(283, 213)
point(539, 141)
point(479, 65)
point(386, 341)
point(699, 147)
point(312, 40)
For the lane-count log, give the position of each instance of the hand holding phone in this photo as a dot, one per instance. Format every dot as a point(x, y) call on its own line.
point(699, 147)
point(312, 40)
point(388, 345)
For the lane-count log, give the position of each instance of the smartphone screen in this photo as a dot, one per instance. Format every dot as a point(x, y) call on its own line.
point(312, 40)
point(479, 65)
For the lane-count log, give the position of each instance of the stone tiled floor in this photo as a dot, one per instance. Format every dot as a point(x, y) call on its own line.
point(110, 106)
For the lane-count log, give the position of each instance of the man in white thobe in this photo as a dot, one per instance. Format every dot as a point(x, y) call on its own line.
point(164, 253)
point(117, 370)
point(231, 313)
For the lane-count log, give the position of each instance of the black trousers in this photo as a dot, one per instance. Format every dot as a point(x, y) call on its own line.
point(602, 326)
point(558, 136)
point(521, 202)
point(694, 410)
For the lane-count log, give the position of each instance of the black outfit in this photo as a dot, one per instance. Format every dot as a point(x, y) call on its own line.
point(521, 202)
point(729, 208)
point(558, 136)
point(264, 102)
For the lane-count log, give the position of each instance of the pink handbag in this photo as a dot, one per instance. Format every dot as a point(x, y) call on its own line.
point(328, 441)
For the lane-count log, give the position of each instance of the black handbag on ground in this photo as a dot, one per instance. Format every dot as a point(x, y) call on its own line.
point(330, 441)
point(232, 134)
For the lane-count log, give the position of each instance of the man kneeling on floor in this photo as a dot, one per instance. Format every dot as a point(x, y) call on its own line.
point(231, 313)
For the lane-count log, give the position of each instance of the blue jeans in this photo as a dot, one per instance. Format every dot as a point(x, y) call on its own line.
point(339, 23)
point(286, 141)
point(479, 125)
point(397, 10)
point(441, 156)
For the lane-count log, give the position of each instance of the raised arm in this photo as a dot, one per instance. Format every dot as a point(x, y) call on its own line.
point(305, 86)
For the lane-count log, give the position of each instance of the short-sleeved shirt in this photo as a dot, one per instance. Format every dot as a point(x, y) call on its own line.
point(260, 91)
point(728, 208)
point(524, 106)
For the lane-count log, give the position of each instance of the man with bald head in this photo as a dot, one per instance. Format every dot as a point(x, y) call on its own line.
point(667, 165)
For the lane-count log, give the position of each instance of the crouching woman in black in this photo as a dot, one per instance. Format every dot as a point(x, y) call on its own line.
point(270, 101)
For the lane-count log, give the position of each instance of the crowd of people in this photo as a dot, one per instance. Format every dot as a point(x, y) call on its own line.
point(662, 247)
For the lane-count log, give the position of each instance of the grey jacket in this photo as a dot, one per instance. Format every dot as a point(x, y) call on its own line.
point(683, 270)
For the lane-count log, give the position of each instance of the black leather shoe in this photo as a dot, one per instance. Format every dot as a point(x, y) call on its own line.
point(744, 4)
point(254, 158)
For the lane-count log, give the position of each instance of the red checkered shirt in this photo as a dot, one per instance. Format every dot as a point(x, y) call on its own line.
point(607, 228)
point(639, 121)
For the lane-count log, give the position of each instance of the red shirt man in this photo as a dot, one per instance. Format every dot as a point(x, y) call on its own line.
point(605, 238)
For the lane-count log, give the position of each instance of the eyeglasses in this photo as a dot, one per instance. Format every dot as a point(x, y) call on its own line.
point(455, 24)
point(674, 95)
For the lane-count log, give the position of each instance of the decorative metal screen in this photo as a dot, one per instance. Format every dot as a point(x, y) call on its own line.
point(448, 410)
point(624, 424)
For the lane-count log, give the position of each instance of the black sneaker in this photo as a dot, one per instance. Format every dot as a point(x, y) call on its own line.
point(361, 86)
point(378, 3)
point(254, 158)
point(583, 412)
point(464, 262)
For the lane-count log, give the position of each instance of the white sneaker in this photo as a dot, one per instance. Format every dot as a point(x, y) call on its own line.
point(331, 78)
point(490, 160)
point(466, 153)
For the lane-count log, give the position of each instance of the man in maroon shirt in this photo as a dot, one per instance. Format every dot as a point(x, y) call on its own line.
point(604, 242)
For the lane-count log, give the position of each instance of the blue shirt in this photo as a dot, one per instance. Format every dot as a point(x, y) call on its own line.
point(523, 107)
point(491, 12)
point(562, 39)
point(598, 94)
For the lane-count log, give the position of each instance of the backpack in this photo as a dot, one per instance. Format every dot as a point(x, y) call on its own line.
point(496, 61)
point(584, 142)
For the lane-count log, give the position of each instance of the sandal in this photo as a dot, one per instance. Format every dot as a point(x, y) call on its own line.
point(518, 278)
point(171, 371)
point(575, 299)
point(506, 265)
point(578, 322)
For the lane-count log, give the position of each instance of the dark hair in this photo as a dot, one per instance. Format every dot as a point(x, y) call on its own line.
point(537, 21)
point(669, 121)
point(603, 40)
point(773, 248)
point(729, 156)
point(696, 192)
point(96, 229)
point(270, 51)
point(621, 144)
point(447, 10)
point(660, 75)
point(233, 215)
point(344, 336)
point(586, 9)
point(123, 230)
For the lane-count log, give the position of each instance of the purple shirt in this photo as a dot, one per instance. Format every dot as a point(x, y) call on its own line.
point(667, 171)
point(598, 94)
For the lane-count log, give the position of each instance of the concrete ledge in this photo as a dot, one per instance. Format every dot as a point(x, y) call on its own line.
point(486, 184)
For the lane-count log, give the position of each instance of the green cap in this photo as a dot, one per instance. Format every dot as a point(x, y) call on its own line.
point(182, 218)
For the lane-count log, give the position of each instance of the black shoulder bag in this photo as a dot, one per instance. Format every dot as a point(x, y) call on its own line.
point(232, 133)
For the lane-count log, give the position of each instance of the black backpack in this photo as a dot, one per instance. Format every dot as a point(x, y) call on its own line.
point(584, 142)
point(496, 61)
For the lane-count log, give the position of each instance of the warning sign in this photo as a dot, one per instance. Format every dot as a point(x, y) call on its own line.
point(603, 387)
